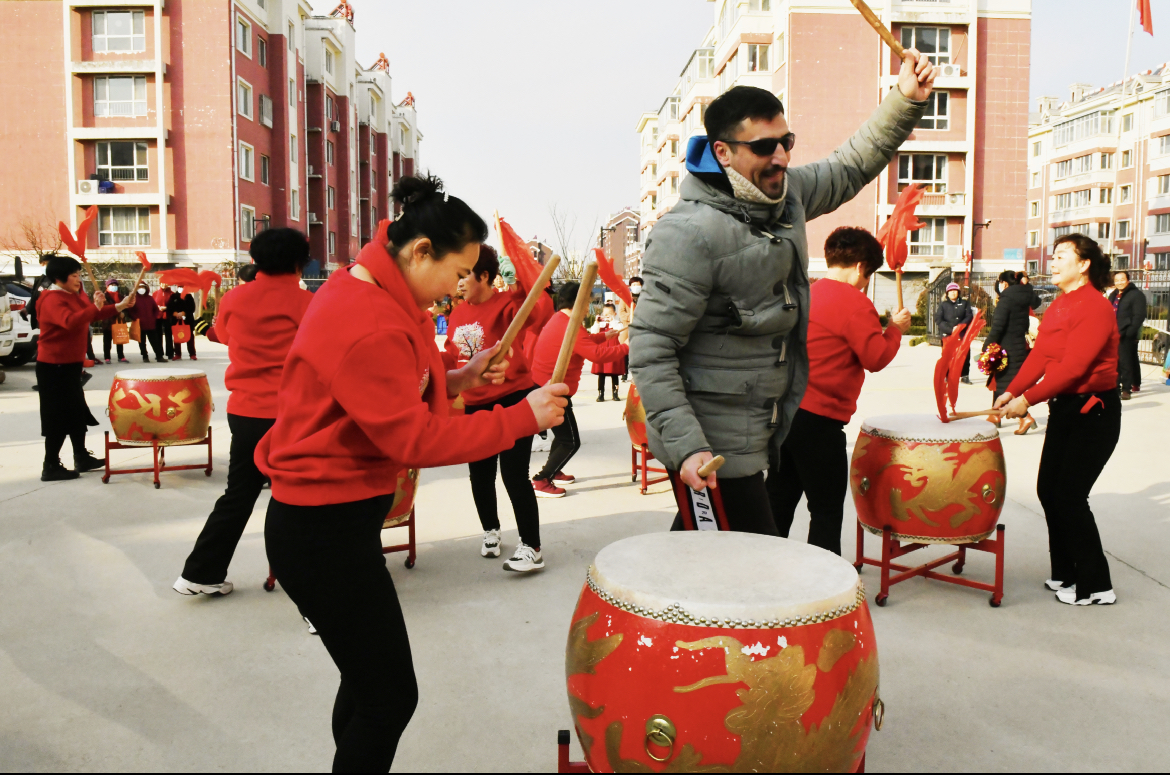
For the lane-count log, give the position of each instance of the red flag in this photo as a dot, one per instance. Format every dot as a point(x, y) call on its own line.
point(76, 244)
point(1147, 18)
point(960, 356)
point(142, 258)
point(942, 369)
point(608, 276)
point(893, 232)
point(527, 268)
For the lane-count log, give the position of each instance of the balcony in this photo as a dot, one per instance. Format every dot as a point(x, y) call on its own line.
point(123, 200)
point(953, 204)
point(1083, 213)
point(104, 66)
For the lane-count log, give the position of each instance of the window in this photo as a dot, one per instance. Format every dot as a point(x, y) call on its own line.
point(292, 144)
point(1161, 224)
point(295, 204)
point(935, 42)
point(928, 169)
point(1076, 166)
point(760, 5)
point(1033, 267)
point(674, 149)
point(1036, 146)
point(119, 96)
point(1035, 180)
point(122, 161)
point(673, 184)
point(244, 98)
point(1162, 104)
point(757, 57)
point(1081, 228)
point(1106, 161)
point(706, 64)
point(1126, 159)
point(329, 152)
point(328, 107)
point(1164, 184)
point(123, 226)
point(1123, 230)
point(329, 69)
point(1127, 122)
point(1106, 196)
point(333, 243)
point(266, 110)
point(243, 37)
point(1082, 198)
point(1121, 262)
point(119, 31)
point(1061, 231)
point(1033, 239)
point(936, 115)
point(1063, 201)
point(1164, 145)
point(247, 162)
point(247, 223)
point(262, 51)
point(292, 34)
point(1034, 210)
point(672, 105)
point(1103, 230)
point(1099, 123)
point(1126, 193)
point(331, 198)
point(265, 168)
point(931, 239)
point(292, 93)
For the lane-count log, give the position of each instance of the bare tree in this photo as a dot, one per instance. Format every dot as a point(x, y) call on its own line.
point(573, 248)
point(36, 234)
point(564, 227)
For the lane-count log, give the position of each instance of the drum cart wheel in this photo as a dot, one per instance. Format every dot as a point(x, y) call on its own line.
point(881, 599)
point(409, 563)
point(270, 583)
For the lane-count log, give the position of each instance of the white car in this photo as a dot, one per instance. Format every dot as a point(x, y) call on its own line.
point(7, 337)
point(24, 335)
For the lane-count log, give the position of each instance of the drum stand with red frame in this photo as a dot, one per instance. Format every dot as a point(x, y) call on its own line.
point(640, 457)
point(160, 459)
point(892, 549)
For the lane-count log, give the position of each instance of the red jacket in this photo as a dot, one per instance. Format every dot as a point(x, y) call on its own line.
point(364, 395)
point(473, 328)
point(1076, 349)
point(64, 319)
point(845, 339)
point(595, 347)
point(257, 321)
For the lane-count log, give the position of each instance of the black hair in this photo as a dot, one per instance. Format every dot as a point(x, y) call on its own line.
point(737, 104)
point(428, 212)
point(1010, 277)
point(1122, 271)
point(567, 295)
point(60, 267)
point(1088, 250)
point(488, 263)
point(611, 305)
point(636, 279)
point(851, 245)
point(246, 273)
point(279, 251)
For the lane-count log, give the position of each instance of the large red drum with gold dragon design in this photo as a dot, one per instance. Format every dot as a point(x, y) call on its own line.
point(635, 415)
point(721, 652)
point(929, 481)
point(170, 406)
point(404, 493)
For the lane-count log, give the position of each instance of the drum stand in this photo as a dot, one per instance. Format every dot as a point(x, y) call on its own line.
point(640, 456)
point(408, 547)
point(160, 459)
point(892, 549)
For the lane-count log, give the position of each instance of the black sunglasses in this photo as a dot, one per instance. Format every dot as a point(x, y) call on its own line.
point(767, 146)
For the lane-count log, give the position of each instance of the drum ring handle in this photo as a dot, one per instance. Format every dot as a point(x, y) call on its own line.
point(661, 731)
point(988, 494)
point(171, 412)
point(879, 712)
point(864, 485)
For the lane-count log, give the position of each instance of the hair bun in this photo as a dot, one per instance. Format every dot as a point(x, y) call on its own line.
point(412, 188)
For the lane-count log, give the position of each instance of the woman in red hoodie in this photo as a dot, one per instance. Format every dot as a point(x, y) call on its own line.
point(364, 396)
point(257, 321)
point(1074, 368)
point(65, 313)
point(474, 326)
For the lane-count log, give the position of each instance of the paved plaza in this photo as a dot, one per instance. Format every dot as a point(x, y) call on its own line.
point(104, 667)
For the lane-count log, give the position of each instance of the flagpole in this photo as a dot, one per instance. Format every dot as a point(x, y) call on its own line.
point(1113, 251)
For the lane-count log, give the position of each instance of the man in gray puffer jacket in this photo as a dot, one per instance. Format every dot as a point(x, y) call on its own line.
point(717, 344)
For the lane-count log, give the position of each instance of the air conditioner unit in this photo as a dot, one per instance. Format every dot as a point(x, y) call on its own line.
point(87, 186)
point(335, 126)
point(949, 71)
point(310, 169)
point(313, 218)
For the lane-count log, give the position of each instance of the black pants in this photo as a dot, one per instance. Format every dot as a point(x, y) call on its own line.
point(64, 412)
point(813, 463)
point(108, 341)
point(329, 560)
point(154, 335)
point(514, 471)
point(566, 442)
point(601, 382)
point(745, 501)
point(1129, 369)
point(1076, 448)
point(966, 365)
point(209, 560)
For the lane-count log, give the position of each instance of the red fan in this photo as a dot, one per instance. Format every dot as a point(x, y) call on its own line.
point(187, 278)
point(942, 369)
point(608, 276)
point(527, 268)
point(894, 231)
point(960, 355)
point(76, 243)
point(145, 266)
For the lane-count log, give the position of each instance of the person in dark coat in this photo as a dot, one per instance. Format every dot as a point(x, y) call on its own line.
point(1009, 329)
point(180, 311)
point(953, 311)
point(145, 311)
point(1130, 304)
point(113, 296)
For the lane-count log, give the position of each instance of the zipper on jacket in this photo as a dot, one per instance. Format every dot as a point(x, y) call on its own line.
point(775, 423)
point(747, 218)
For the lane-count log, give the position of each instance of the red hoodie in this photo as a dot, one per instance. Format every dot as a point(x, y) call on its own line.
point(1076, 349)
point(595, 347)
point(473, 328)
point(845, 340)
point(64, 319)
point(257, 321)
point(364, 395)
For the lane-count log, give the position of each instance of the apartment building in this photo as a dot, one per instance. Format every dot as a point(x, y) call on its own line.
point(194, 125)
point(830, 70)
point(1099, 165)
point(619, 240)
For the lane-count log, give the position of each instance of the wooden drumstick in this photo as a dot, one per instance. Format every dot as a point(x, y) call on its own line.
point(580, 307)
point(881, 29)
point(969, 415)
point(521, 318)
point(711, 466)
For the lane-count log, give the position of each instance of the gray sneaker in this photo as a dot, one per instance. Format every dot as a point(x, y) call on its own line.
point(491, 544)
point(524, 560)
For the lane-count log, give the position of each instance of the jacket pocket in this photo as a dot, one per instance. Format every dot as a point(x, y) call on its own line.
point(720, 398)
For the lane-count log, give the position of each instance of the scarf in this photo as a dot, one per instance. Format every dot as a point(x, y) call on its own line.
point(746, 191)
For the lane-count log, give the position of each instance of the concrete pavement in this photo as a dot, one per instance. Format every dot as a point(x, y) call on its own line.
point(102, 666)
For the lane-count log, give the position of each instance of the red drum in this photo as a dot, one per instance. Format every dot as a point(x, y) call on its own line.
point(404, 494)
point(635, 415)
point(170, 406)
point(929, 481)
point(724, 652)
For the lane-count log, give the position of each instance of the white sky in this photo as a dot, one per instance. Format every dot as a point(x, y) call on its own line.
point(526, 103)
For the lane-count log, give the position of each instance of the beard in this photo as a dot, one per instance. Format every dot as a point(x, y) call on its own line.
point(771, 180)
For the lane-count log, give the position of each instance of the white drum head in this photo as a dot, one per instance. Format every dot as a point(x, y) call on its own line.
point(927, 427)
point(725, 577)
point(159, 374)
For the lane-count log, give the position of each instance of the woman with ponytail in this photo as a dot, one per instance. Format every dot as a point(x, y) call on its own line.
point(358, 403)
point(1074, 369)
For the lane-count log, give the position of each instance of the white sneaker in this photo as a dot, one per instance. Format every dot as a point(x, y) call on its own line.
point(1056, 586)
point(524, 560)
point(1068, 595)
point(184, 587)
point(312, 629)
point(541, 445)
point(491, 544)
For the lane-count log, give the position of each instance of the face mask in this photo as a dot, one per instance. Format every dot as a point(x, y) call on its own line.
point(172, 289)
point(141, 291)
point(635, 289)
point(112, 289)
